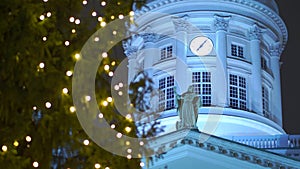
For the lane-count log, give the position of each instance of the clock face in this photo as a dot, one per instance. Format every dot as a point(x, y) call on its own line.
point(201, 46)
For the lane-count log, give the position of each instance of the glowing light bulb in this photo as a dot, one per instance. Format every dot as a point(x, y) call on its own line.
point(121, 16)
point(113, 63)
point(35, 164)
point(71, 19)
point(131, 13)
point(112, 17)
point(67, 43)
point(103, 3)
point(113, 126)
point(4, 148)
point(72, 109)
point(128, 129)
point(44, 38)
point(119, 135)
point(120, 93)
point(109, 99)
point(16, 143)
point(114, 32)
point(106, 167)
point(94, 13)
point(73, 30)
point(45, 0)
point(77, 56)
point(34, 107)
point(102, 23)
point(127, 143)
point(84, 2)
point(100, 19)
point(129, 150)
point(48, 105)
point(96, 39)
point(111, 74)
point(87, 98)
point(141, 143)
point(106, 67)
point(129, 156)
point(104, 55)
point(77, 21)
point(69, 73)
point(42, 65)
point(142, 164)
point(105, 103)
point(65, 91)
point(48, 14)
point(121, 84)
point(116, 87)
point(42, 17)
point(97, 165)
point(86, 142)
point(28, 138)
point(128, 116)
point(100, 116)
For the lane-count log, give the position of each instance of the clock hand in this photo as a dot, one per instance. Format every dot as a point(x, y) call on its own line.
point(201, 45)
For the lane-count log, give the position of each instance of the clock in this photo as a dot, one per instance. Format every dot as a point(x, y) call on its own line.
point(201, 45)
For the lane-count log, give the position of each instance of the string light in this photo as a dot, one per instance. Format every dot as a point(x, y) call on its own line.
point(34, 107)
point(48, 14)
point(72, 109)
point(129, 156)
point(121, 16)
point(141, 143)
point(67, 43)
point(77, 56)
point(48, 105)
point(44, 38)
point(116, 87)
point(28, 139)
point(103, 3)
point(131, 13)
point(106, 67)
point(113, 63)
point(96, 39)
point(120, 93)
point(87, 98)
point(113, 126)
point(102, 23)
point(129, 150)
point(104, 55)
point(112, 17)
point(73, 31)
point(97, 165)
point(111, 74)
point(45, 0)
point(106, 167)
point(65, 91)
point(42, 65)
point(105, 103)
point(127, 143)
point(71, 19)
point(142, 164)
point(77, 21)
point(114, 32)
point(128, 129)
point(119, 135)
point(100, 115)
point(35, 164)
point(100, 19)
point(16, 143)
point(109, 99)
point(94, 13)
point(4, 148)
point(84, 2)
point(42, 17)
point(69, 73)
point(121, 84)
point(86, 142)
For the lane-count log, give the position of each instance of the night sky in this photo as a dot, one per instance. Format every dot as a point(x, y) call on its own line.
point(290, 69)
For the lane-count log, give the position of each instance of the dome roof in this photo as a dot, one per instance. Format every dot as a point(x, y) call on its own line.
point(269, 3)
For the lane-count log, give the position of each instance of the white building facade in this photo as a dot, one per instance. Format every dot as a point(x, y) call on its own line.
point(229, 50)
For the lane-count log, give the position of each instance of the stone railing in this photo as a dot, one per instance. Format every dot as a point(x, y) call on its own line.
point(269, 142)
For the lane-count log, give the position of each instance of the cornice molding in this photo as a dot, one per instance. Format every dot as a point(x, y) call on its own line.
point(252, 4)
point(221, 146)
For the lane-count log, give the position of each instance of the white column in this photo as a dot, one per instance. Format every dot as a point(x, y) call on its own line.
point(131, 53)
point(256, 78)
point(276, 106)
point(149, 51)
point(183, 74)
point(221, 82)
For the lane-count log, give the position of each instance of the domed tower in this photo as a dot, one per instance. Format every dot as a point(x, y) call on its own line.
point(228, 50)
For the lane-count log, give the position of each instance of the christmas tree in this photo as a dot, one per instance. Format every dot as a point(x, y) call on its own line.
point(41, 40)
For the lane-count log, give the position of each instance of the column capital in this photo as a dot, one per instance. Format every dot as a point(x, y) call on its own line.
point(181, 23)
point(255, 32)
point(221, 22)
point(275, 50)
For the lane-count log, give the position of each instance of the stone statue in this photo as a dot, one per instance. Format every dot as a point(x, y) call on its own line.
point(188, 104)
